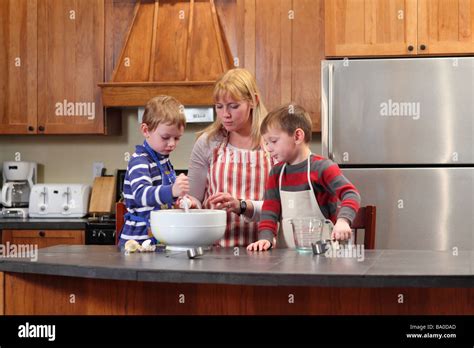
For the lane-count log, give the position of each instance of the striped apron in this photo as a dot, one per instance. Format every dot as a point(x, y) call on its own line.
point(242, 174)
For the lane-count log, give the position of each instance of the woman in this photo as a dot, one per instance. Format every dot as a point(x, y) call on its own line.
point(228, 166)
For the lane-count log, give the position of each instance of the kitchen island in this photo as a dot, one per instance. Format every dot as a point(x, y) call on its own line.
point(90, 279)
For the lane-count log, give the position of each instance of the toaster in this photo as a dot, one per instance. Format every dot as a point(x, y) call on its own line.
point(59, 200)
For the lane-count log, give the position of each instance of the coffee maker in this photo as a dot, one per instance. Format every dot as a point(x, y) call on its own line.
point(18, 179)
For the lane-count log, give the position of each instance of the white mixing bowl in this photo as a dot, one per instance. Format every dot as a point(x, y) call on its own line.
point(180, 230)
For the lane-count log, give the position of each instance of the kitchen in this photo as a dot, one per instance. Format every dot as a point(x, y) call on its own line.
point(283, 43)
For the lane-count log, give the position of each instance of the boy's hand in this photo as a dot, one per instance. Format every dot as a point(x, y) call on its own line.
point(342, 230)
point(259, 245)
point(180, 186)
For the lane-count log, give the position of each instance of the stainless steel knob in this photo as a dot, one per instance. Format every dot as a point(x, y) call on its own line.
point(195, 252)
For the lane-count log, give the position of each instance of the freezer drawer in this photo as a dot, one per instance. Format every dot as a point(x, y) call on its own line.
point(419, 208)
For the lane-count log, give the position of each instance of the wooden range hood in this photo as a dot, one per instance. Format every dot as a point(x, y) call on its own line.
point(172, 47)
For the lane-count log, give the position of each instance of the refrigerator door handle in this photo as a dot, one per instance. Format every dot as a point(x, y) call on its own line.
point(330, 109)
point(327, 71)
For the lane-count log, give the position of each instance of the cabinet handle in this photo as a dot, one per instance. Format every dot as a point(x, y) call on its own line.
point(31, 128)
point(422, 47)
point(42, 233)
point(41, 128)
point(410, 48)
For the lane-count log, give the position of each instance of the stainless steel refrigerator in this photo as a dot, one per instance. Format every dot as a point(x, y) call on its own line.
point(402, 131)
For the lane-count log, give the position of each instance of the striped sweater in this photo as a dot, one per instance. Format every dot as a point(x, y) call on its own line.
point(144, 192)
point(329, 184)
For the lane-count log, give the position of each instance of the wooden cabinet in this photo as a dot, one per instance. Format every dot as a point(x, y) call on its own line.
point(307, 53)
point(398, 27)
point(288, 55)
point(43, 238)
point(18, 67)
point(60, 44)
point(281, 43)
point(446, 26)
point(70, 64)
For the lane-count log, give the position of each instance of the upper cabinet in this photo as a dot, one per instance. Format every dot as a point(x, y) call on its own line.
point(282, 43)
point(399, 27)
point(70, 64)
point(52, 65)
point(445, 26)
point(18, 67)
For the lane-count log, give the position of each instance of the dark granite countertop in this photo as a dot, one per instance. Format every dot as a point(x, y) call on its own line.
point(42, 224)
point(379, 268)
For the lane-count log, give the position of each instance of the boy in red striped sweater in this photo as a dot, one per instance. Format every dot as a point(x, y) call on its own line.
point(301, 184)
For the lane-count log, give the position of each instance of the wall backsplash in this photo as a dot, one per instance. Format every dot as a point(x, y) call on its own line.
point(69, 159)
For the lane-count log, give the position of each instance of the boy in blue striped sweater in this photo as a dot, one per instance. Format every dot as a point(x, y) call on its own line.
point(150, 182)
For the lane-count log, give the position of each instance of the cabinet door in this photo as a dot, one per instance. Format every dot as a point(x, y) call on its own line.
point(70, 64)
point(370, 27)
point(288, 53)
point(18, 84)
point(445, 26)
point(43, 238)
point(307, 53)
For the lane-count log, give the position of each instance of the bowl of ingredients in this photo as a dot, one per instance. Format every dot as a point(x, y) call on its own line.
point(181, 230)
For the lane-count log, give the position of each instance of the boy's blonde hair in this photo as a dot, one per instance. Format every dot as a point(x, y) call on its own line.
point(239, 84)
point(289, 118)
point(163, 109)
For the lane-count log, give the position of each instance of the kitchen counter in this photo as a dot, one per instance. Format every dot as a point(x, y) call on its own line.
point(380, 268)
point(46, 224)
point(101, 280)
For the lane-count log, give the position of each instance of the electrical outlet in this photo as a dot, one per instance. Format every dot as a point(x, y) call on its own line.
point(97, 169)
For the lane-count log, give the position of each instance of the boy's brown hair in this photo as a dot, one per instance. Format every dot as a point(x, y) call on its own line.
point(163, 109)
point(288, 117)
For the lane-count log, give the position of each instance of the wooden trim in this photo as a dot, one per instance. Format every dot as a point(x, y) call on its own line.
point(249, 36)
point(329, 30)
point(108, 40)
point(124, 47)
point(130, 95)
point(412, 22)
point(218, 37)
point(151, 74)
point(152, 84)
point(34, 294)
point(286, 52)
point(228, 57)
point(188, 42)
point(32, 44)
point(240, 34)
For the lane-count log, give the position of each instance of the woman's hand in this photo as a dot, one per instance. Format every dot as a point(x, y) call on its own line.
point(193, 203)
point(224, 201)
point(342, 230)
point(259, 245)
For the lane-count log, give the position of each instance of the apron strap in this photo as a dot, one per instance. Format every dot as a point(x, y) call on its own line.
point(281, 175)
point(308, 175)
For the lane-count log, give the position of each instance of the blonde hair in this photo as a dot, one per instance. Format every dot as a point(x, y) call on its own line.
point(163, 109)
point(289, 117)
point(241, 86)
